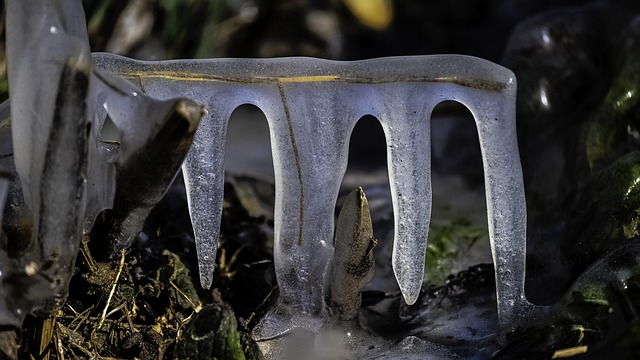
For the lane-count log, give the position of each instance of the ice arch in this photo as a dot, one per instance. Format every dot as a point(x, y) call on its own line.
point(248, 145)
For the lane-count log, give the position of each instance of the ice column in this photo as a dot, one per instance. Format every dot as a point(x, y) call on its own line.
point(312, 106)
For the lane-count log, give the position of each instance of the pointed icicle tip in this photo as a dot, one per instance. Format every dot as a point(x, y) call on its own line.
point(206, 268)
point(410, 282)
point(410, 295)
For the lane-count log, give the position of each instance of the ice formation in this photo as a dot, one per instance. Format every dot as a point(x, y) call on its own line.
point(311, 106)
point(82, 141)
point(85, 140)
point(48, 83)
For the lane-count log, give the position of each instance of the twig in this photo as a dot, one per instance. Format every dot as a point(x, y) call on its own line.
point(113, 290)
point(72, 309)
point(81, 318)
point(116, 309)
point(195, 307)
point(58, 344)
point(126, 311)
point(46, 334)
point(88, 353)
point(86, 255)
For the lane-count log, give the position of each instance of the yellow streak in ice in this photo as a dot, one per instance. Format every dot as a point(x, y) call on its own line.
point(298, 79)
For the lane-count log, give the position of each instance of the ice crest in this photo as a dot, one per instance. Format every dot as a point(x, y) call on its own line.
point(312, 106)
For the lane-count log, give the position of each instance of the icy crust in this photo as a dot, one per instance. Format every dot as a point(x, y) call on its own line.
point(464, 70)
point(311, 106)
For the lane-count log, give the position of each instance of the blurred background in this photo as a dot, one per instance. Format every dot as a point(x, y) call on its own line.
point(333, 29)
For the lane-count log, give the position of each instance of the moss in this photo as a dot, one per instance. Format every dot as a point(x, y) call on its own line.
point(446, 244)
point(175, 274)
point(609, 210)
point(594, 293)
point(211, 334)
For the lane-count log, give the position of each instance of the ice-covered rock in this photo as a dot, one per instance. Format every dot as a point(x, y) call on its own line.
point(141, 143)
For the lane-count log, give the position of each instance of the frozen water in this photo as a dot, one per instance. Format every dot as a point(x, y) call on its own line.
point(81, 141)
point(48, 63)
point(85, 140)
point(4, 193)
point(38, 51)
point(311, 106)
point(140, 144)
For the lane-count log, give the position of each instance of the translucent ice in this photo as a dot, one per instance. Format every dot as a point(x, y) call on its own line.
point(85, 140)
point(312, 106)
point(140, 144)
point(39, 51)
point(5, 152)
point(48, 66)
point(4, 193)
point(81, 141)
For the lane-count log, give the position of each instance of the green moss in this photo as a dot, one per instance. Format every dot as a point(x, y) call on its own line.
point(446, 244)
point(595, 294)
point(176, 275)
point(211, 334)
point(610, 208)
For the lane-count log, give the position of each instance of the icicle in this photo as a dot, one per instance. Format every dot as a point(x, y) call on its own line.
point(4, 193)
point(38, 50)
point(312, 106)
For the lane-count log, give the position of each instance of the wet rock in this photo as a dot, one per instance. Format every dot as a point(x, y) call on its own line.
point(563, 65)
point(576, 114)
point(597, 314)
